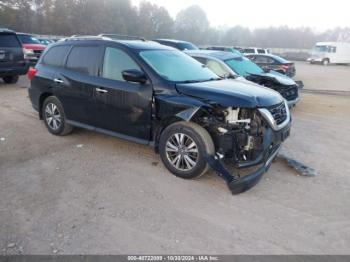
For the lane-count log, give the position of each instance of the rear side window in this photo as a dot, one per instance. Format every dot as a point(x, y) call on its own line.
point(261, 51)
point(55, 56)
point(84, 59)
point(9, 40)
point(262, 59)
point(115, 62)
point(249, 51)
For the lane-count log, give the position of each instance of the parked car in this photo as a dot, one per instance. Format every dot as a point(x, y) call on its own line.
point(330, 52)
point(225, 49)
point(178, 44)
point(45, 41)
point(155, 95)
point(228, 65)
point(32, 47)
point(274, 62)
point(12, 62)
point(254, 50)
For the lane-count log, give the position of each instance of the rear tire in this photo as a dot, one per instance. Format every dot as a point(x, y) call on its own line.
point(54, 117)
point(187, 158)
point(10, 79)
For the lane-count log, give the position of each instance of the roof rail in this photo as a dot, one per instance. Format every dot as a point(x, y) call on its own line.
point(5, 30)
point(84, 37)
point(122, 37)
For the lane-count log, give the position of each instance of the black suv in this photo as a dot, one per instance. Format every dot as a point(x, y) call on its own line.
point(156, 95)
point(12, 63)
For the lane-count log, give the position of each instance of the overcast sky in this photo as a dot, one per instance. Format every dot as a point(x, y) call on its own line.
point(320, 15)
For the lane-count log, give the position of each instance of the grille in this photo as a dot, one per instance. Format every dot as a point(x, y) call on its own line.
point(290, 93)
point(279, 113)
point(37, 51)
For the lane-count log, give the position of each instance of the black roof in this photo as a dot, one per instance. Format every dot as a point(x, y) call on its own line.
point(171, 41)
point(276, 57)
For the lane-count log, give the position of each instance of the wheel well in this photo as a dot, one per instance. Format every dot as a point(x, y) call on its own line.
point(160, 126)
point(41, 102)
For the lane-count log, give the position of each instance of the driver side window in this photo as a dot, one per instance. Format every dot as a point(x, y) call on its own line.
point(115, 62)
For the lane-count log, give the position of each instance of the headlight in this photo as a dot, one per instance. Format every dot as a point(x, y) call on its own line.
point(28, 51)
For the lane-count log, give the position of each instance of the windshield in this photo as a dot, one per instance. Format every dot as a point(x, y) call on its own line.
point(176, 66)
point(28, 39)
point(187, 46)
point(321, 48)
point(243, 66)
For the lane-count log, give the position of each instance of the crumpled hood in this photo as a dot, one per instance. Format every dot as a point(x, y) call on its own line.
point(230, 92)
point(280, 78)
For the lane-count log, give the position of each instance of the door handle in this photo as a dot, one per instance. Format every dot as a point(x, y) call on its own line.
point(100, 90)
point(58, 81)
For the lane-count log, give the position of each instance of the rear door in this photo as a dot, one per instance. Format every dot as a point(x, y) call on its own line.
point(11, 53)
point(76, 82)
point(122, 107)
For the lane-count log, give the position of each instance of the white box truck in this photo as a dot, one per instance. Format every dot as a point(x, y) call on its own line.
point(330, 52)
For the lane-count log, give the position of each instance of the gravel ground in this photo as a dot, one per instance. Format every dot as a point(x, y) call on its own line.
point(88, 193)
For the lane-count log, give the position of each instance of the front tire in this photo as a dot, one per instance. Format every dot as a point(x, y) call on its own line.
point(325, 62)
point(54, 117)
point(10, 79)
point(183, 147)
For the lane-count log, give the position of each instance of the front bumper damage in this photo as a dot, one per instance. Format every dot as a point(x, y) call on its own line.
point(272, 143)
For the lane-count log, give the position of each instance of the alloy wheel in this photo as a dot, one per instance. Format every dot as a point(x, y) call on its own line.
point(182, 152)
point(53, 116)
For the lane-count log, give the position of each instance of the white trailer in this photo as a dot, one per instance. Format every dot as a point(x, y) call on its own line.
point(330, 52)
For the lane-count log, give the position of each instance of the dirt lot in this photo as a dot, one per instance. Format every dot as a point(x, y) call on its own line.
point(92, 194)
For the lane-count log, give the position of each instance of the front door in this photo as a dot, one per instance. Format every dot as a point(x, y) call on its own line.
point(122, 107)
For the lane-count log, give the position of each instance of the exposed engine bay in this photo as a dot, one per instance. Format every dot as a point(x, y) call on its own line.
point(237, 133)
point(245, 138)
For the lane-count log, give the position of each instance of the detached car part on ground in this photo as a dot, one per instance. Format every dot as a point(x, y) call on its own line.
point(231, 65)
point(12, 62)
point(156, 95)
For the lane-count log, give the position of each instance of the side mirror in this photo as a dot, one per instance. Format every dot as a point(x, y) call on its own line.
point(134, 75)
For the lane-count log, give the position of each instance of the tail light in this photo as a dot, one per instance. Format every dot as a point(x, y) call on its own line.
point(31, 73)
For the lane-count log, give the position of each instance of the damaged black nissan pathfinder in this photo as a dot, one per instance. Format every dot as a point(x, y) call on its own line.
point(153, 94)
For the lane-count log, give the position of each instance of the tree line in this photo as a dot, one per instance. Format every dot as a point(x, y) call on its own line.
point(91, 17)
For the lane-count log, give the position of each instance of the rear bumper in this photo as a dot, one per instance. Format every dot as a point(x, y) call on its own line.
point(14, 71)
point(34, 97)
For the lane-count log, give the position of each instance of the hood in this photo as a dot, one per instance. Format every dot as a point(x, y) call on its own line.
point(231, 92)
point(34, 46)
point(279, 78)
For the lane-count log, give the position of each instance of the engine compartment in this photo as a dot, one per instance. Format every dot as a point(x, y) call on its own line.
point(237, 133)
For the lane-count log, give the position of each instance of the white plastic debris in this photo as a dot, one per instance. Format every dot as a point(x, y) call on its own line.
point(2, 138)
point(80, 146)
